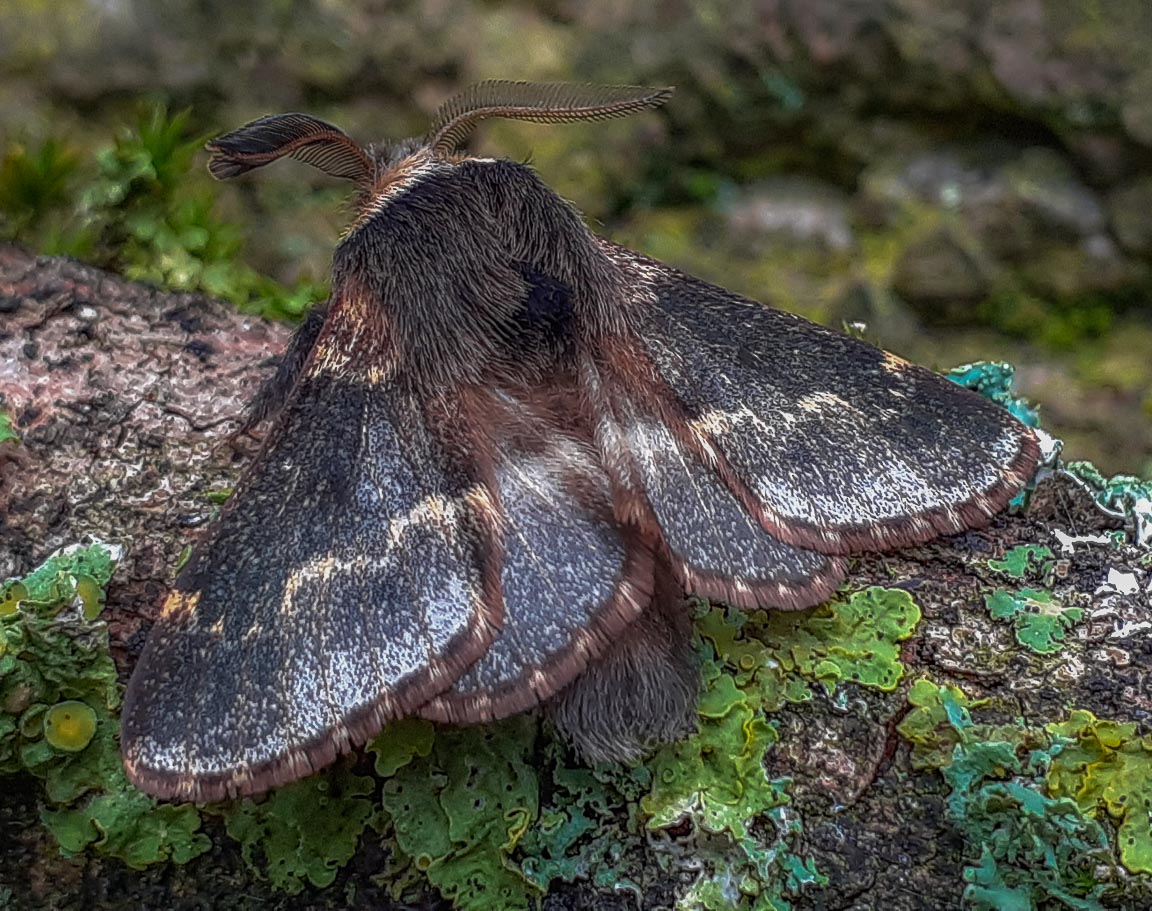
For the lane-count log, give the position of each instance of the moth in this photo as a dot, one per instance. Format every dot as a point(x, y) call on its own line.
point(500, 452)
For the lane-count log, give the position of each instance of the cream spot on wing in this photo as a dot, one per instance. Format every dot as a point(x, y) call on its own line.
point(894, 363)
point(823, 403)
point(178, 604)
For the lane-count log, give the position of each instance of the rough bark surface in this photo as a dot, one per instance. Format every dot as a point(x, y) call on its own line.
point(125, 397)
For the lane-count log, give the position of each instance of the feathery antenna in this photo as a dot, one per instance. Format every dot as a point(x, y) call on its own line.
point(298, 136)
point(543, 102)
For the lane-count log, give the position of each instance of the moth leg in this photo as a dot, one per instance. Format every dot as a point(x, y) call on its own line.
point(642, 691)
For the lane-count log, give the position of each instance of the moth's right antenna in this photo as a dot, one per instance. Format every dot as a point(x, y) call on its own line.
point(543, 102)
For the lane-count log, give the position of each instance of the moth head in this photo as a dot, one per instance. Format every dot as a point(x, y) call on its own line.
point(373, 169)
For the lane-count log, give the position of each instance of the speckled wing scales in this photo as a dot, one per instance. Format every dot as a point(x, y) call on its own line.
point(351, 577)
point(835, 445)
point(573, 578)
point(717, 549)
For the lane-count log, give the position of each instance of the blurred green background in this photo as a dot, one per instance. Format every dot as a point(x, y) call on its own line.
point(968, 178)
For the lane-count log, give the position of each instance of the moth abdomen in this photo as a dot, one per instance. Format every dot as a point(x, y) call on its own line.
point(642, 690)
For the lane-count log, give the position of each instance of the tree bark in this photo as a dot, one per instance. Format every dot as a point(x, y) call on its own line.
point(125, 398)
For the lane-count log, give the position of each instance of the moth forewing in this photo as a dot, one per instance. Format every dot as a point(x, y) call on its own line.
point(352, 576)
point(831, 443)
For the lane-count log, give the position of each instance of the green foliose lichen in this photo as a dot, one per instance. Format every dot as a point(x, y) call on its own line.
point(589, 825)
point(852, 641)
point(1105, 764)
point(1030, 842)
point(716, 782)
point(1031, 560)
point(58, 721)
point(118, 821)
point(717, 777)
point(79, 571)
point(1041, 622)
point(305, 832)
point(995, 381)
point(489, 816)
point(492, 817)
point(1123, 496)
point(457, 806)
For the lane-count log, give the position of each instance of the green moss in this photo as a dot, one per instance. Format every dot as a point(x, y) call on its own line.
point(7, 434)
point(305, 832)
point(58, 721)
point(139, 207)
point(1057, 317)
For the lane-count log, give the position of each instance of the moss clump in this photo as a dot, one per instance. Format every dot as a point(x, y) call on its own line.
point(7, 434)
point(136, 206)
